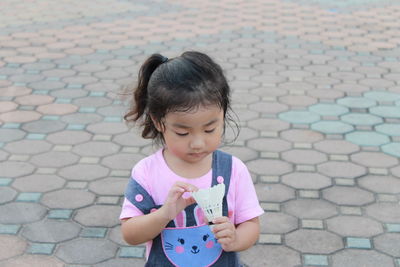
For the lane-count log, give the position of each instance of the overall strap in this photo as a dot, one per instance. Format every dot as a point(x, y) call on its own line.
point(221, 173)
point(139, 197)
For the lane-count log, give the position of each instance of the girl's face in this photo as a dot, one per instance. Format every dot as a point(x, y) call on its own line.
point(192, 136)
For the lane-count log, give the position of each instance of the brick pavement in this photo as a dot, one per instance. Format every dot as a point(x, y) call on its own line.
point(315, 85)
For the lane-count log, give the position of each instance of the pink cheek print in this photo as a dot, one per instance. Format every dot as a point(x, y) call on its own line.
point(179, 249)
point(209, 244)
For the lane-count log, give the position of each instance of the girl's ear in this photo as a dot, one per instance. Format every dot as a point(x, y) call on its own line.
point(157, 124)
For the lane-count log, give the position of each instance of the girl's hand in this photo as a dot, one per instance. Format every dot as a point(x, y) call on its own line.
point(175, 201)
point(225, 231)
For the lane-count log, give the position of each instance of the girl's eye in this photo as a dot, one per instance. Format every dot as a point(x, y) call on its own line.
point(181, 240)
point(210, 131)
point(182, 134)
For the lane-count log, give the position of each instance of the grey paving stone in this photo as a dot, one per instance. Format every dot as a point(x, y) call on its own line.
point(341, 169)
point(345, 195)
point(122, 263)
point(357, 257)
point(107, 128)
point(69, 137)
point(112, 110)
point(68, 93)
point(33, 261)
point(243, 153)
point(109, 186)
point(306, 180)
point(46, 85)
point(268, 124)
point(269, 144)
point(374, 159)
point(6, 194)
point(277, 223)
point(67, 199)
point(388, 243)
point(336, 147)
point(269, 167)
point(92, 101)
point(98, 216)
point(131, 139)
point(121, 161)
point(303, 156)
point(384, 212)
point(54, 159)
point(32, 212)
point(115, 235)
point(81, 118)
point(354, 226)
point(274, 192)
point(97, 149)
point(310, 208)
point(84, 172)
point(50, 231)
point(273, 256)
point(301, 136)
point(86, 251)
point(314, 241)
point(15, 168)
point(38, 183)
point(380, 184)
point(6, 242)
point(28, 147)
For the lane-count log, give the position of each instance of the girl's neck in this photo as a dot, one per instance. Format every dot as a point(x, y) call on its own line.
point(187, 169)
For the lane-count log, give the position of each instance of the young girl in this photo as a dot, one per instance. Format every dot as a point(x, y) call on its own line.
point(183, 104)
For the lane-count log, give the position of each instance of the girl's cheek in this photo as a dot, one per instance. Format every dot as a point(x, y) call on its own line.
point(209, 244)
point(179, 249)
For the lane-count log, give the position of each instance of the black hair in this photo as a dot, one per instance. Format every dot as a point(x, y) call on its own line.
point(179, 84)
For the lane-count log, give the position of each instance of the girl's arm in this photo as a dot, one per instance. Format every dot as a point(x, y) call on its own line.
point(140, 229)
point(238, 238)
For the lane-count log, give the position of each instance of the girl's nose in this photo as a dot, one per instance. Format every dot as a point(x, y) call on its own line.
point(197, 143)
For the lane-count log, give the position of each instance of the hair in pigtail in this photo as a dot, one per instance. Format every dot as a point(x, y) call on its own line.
point(140, 100)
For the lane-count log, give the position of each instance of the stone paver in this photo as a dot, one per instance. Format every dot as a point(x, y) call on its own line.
point(315, 87)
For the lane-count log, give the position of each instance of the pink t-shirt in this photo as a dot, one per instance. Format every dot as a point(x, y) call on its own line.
point(154, 175)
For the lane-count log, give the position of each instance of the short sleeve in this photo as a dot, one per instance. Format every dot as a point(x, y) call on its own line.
point(247, 205)
point(129, 210)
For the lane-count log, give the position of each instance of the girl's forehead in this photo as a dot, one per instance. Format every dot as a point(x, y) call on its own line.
point(202, 114)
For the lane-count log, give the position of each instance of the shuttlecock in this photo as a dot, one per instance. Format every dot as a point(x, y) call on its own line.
point(210, 201)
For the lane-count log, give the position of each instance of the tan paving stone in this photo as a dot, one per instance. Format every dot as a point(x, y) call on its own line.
point(57, 109)
point(34, 99)
point(15, 91)
point(11, 246)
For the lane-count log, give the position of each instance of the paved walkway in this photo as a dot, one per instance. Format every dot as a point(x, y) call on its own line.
point(316, 86)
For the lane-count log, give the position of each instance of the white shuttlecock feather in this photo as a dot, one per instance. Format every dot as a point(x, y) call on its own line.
point(210, 200)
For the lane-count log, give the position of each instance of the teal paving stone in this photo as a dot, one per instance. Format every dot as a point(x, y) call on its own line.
point(74, 86)
point(367, 138)
point(361, 119)
point(33, 136)
point(64, 66)
point(392, 149)
point(393, 228)
point(382, 96)
point(40, 92)
point(5, 181)
point(20, 84)
point(332, 127)
point(2, 144)
point(27, 107)
point(356, 242)
point(87, 110)
point(328, 109)
point(386, 111)
point(3, 77)
point(95, 232)
point(41, 248)
point(316, 260)
point(97, 94)
point(29, 197)
point(356, 102)
point(59, 214)
point(51, 118)
point(299, 117)
point(131, 252)
point(397, 103)
point(63, 100)
point(9, 229)
point(102, 51)
point(13, 65)
point(53, 79)
point(11, 125)
point(389, 129)
point(112, 119)
point(77, 127)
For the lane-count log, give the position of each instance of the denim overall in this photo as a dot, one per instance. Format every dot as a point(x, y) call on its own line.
point(187, 241)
